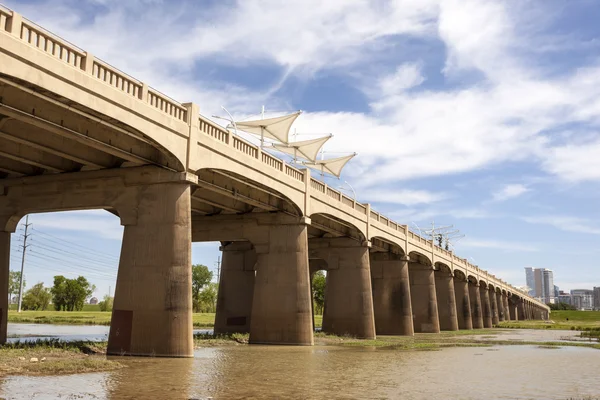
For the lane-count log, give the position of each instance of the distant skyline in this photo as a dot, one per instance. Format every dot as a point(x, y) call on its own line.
point(480, 114)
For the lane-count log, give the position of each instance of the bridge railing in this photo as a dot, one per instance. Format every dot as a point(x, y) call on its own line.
point(116, 78)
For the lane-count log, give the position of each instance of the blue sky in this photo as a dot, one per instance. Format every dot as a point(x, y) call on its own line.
point(481, 114)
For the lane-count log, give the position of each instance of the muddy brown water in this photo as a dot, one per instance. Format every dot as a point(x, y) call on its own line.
point(328, 372)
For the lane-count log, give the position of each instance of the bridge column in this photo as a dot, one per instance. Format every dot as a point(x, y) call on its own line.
point(4, 268)
point(508, 315)
point(391, 294)
point(485, 306)
point(152, 314)
point(236, 288)
point(446, 300)
point(461, 294)
point(500, 306)
point(348, 293)
point(476, 312)
point(281, 304)
point(494, 304)
point(423, 298)
point(521, 314)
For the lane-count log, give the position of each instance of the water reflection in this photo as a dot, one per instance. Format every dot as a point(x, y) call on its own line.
point(509, 372)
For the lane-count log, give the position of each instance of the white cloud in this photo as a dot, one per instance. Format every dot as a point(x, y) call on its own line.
point(574, 162)
point(510, 192)
point(497, 244)
point(565, 223)
point(405, 77)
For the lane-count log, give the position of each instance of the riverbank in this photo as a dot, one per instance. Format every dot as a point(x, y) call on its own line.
point(53, 357)
point(562, 320)
point(200, 320)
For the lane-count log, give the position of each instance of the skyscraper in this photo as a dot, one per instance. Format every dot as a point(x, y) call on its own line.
point(529, 280)
point(596, 298)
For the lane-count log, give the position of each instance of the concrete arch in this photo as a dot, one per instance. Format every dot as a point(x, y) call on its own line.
point(459, 274)
point(379, 243)
point(483, 283)
point(473, 279)
point(420, 258)
point(443, 268)
point(335, 226)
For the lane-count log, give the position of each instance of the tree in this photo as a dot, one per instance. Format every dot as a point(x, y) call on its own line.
point(106, 304)
point(37, 298)
point(207, 300)
point(561, 306)
point(70, 294)
point(201, 276)
point(318, 291)
point(14, 281)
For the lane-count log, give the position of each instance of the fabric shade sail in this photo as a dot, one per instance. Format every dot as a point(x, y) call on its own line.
point(332, 166)
point(277, 128)
point(307, 149)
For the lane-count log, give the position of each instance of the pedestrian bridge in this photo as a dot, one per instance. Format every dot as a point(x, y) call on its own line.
point(77, 133)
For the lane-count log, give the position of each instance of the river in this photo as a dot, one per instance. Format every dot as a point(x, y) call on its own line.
point(329, 372)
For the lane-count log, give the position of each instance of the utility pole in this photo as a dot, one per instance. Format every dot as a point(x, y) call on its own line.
point(27, 224)
point(218, 270)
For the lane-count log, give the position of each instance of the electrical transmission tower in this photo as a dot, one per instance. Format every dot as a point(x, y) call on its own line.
point(25, 246)
point(444, 236)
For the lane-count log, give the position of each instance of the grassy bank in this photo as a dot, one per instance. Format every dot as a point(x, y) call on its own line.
point(201, 320)
point(51, 357)
point(564, 319)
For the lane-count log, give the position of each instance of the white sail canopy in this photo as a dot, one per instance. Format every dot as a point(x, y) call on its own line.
point(332, 166)
point(307, 149)
point(277, 128)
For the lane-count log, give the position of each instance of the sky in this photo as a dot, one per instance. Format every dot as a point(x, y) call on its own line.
point(483, 115)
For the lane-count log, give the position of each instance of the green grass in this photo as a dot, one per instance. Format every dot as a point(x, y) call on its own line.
point(201, 320)
point(564, 319)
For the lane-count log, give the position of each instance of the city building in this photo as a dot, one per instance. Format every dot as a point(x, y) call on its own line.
point(582, 299)
point(556, 291)
point(564, 297)
point(529, 280)
point(541, 282)
point(596, 298)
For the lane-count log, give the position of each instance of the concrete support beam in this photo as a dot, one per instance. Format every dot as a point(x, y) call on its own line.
point(476, 311)
point(494, 304)
point(463, 305)
point(486, 306)
point(348, 292)
point(152, 314)
point(514, 309)
point(423, 298)
point(236, 288)
point(4, 268)
point(391, 294)
point(521, 310)
point(281, 305)
point(500, 306)
point(446, 301)
point(507, 313)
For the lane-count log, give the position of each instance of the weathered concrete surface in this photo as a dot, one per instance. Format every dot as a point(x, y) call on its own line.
point(236, 288)
point(485, 306)
point(154, 292)
point(348, 292)
point(494, 306)
point(4, 269)
point(463, 304)
point(500, 306)
point(391, 294)
point(446, 301)
point(281, 306)
point(476, 310)
point(423, 298)
point(507, 313)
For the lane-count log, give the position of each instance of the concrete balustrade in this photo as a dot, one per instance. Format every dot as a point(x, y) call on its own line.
point(173, 176)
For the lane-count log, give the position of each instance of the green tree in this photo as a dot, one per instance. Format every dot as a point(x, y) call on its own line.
point(70, 294)
point(37, 298)
point(318, 291)
point(14, 280)
point(106, 304)
point(201, 276)
point(207, 300)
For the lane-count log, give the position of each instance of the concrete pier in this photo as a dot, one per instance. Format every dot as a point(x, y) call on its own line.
point(154, 292)
point(446, 301)
point(500, 305)
point(391, 294)
point(494, 304)
point(461, 294)
point(485, 306)
point(236, 288)
point(423, 298)
point(348, 292)
point(476, 310)
point(508, 315)
point(281, 305)
point(4, 269)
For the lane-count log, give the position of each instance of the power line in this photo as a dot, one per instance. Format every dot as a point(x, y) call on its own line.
point(79, 257)
point(53, 259)
point(75, 244)
point(25, 236)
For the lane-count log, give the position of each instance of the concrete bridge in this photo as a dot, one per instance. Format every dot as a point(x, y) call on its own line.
point(77, 133)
